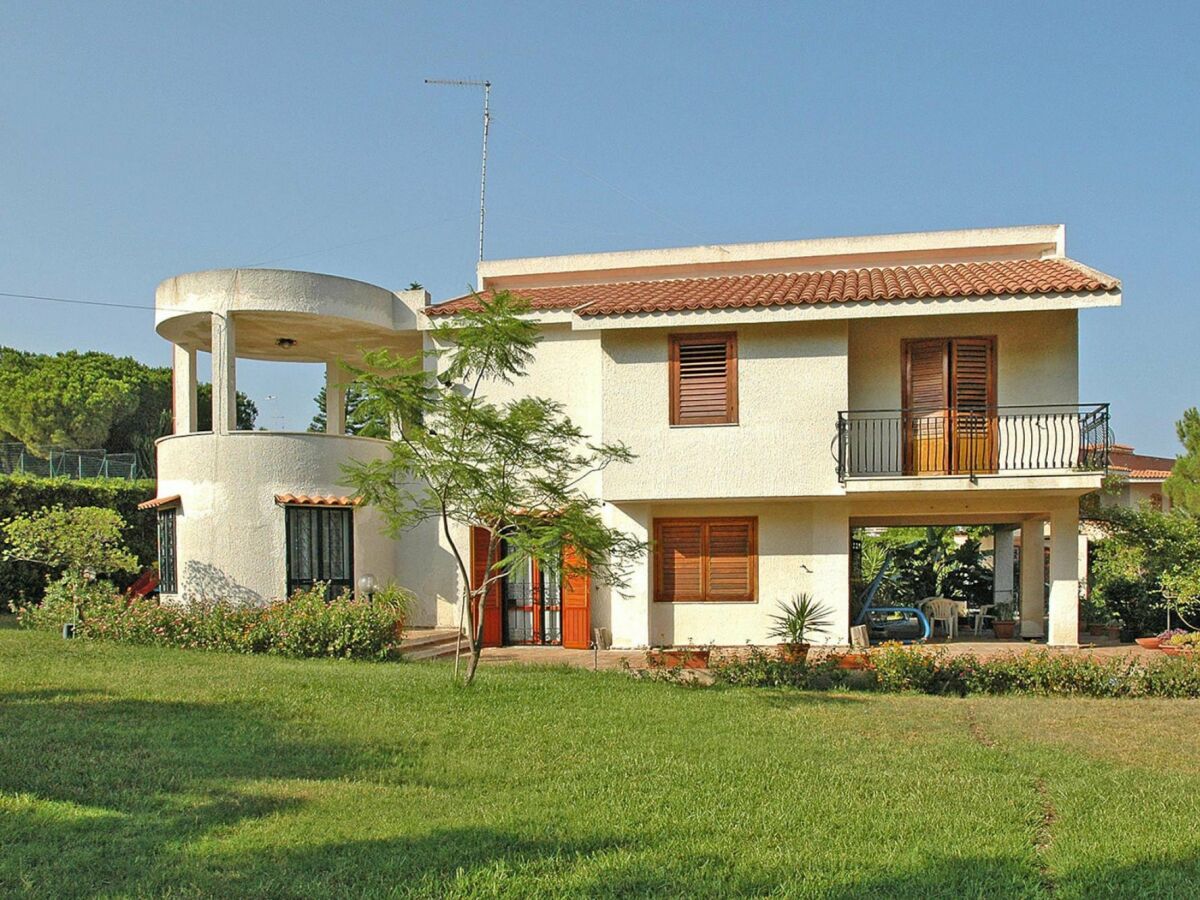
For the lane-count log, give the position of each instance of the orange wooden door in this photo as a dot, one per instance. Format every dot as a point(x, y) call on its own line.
point(493, 622)
point(926, 408)
point(576, 605)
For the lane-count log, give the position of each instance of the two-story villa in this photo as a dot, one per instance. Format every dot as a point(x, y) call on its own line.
point(778, 395)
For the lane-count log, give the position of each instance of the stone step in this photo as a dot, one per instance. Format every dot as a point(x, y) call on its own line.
point(439, 651)
point(429, 643)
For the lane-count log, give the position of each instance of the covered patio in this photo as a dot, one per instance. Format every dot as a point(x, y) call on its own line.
point(1033, 562)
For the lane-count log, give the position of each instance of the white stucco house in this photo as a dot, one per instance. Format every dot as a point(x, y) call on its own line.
point(777, 395)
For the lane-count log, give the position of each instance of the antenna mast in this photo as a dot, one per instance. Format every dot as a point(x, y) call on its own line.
point(487, 121)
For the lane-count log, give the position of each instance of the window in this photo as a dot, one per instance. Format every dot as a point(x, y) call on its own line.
point(168, 579)
point(704, 379)
point(320, 547)
point(706, 560)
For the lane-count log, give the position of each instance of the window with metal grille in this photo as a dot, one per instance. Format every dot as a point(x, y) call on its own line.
point(704, 379)
point(168, 580)
point(320, 548)
point(713, 559)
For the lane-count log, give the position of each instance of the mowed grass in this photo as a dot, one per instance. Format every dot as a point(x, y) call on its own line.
point(129, 771)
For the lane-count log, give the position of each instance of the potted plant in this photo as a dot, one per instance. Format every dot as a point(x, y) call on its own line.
point(1163, 638)
point(686, 657)
point(1186, 643)
point(1113, 629)
point(1004, 623)
point(798, 618)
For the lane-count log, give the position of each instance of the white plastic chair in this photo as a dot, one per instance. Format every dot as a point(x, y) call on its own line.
point(940, 609)
point(983, 615)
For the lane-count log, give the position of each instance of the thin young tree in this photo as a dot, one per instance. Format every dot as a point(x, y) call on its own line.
point(517, 470)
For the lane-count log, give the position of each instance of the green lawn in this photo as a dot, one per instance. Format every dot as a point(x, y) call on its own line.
point(139, 771)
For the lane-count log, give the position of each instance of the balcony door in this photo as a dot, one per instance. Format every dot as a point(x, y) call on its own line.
point(949, 400)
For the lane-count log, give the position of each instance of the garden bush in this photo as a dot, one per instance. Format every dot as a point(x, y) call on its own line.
point(304, 625)
point(23, 583)
point(896, 668)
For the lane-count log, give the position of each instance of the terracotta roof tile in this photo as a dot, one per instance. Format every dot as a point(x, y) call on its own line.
point(159, 501)
point(316, 500)
point(971, 279)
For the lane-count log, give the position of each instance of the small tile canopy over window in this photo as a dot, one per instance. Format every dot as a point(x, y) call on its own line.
point(704, 379)
point(713, 559)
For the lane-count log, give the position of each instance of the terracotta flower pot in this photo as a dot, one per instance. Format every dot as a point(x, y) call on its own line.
point(793, 653)
point(1150, 643)
point(1113, 631)
point(1170, 651)
point(1096, 629)
point(1003, 628)
point(853, 661)
point(676, 657)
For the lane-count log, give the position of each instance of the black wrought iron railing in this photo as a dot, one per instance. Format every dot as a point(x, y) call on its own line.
point(972, 441)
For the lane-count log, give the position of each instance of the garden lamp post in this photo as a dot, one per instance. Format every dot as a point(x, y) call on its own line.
point(367, 585)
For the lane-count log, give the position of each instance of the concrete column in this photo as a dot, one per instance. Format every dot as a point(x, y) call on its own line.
point(1033, 590)
point(224, 373)
point(830, 565)
point(1003, 567)
point(631, 615)
point(1064, 577)
point(335, 398)
point(183, 389)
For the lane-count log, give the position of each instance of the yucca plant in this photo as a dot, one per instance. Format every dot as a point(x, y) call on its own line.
point(798, 618)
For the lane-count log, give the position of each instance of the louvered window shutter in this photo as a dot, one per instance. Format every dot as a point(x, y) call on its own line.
point(972, 403)
point(706, 559)
point(703, 379)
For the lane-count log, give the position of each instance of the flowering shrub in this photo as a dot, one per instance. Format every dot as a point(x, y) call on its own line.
point(1189, 639)
point(305, 625)
point(898, 668)
point(60, 600)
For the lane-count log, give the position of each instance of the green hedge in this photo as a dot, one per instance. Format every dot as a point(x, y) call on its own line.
point(26, 582)
point(1040, 673)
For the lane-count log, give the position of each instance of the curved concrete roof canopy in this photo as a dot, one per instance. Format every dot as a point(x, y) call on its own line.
point(285, 315)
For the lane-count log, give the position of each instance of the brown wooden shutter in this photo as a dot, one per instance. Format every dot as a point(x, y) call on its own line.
point(679, 548)
point(703, 379)
point(926, 403)
point(972, 404)
point(706, 559)
point(731, 560)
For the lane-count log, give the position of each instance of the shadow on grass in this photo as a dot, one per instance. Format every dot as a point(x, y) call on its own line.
point(98, 791)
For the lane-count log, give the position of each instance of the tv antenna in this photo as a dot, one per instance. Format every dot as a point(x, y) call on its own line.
point(487, 120)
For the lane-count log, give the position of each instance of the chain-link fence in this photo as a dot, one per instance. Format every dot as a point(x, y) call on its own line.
point(19, 459)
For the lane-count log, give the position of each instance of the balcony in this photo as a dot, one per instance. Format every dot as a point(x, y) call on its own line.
point(972, 442)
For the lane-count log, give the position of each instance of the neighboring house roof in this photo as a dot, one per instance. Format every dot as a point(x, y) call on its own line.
point(968, 279)
point(1137, 465)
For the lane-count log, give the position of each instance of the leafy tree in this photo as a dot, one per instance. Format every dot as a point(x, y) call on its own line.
point(247, 410)
point(1183, 486)
point(513, 468)
point(1149, 563)
point(89, 400)
point(67, 400)
point(358, 418)
point(70, 541)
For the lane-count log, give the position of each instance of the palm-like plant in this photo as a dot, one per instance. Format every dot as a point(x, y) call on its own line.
point(799, 617)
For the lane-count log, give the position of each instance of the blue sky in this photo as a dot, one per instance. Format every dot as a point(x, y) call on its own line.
point(142, 140)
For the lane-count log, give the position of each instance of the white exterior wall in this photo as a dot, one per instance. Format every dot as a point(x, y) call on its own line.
point(791, 383)
point(1037, 355)
point(230, 530)
point(803, 547)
